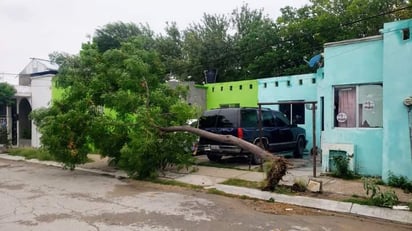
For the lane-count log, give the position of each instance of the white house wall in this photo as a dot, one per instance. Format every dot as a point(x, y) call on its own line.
point(41, 97)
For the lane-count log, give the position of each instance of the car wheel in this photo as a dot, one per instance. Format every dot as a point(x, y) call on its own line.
point(255, 158)
point(300, 147)
point(213, 157)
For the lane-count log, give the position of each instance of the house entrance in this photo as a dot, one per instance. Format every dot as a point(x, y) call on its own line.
point(24, 123)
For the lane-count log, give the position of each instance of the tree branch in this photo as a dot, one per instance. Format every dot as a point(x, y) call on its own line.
point(228, 139)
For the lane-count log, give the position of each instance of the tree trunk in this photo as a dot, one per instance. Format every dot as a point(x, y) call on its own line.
point(228, 139)
point(279, 164)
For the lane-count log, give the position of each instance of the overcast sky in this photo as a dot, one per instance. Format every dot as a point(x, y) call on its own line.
point(32, 28)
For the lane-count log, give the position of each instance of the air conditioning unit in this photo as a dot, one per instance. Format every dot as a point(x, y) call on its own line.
point(332, 150)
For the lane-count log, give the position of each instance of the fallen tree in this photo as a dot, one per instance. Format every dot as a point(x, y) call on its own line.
point(117, 102)
point(278, 167)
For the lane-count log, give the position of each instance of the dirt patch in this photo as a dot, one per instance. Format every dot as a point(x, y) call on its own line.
point(132, 187)
point(48, 218)
point(283, 209)
point(12, 186)
point(277, 208)
point(324, 195)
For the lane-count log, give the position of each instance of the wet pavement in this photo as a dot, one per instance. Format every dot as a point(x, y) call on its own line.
point(39, 197)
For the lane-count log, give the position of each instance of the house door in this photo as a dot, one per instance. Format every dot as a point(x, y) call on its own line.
point(14, 118)
point(24, 123)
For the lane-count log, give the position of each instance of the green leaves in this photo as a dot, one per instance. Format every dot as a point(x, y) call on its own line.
point(386, 198)
point(7, 92)
point(113, 103)
point(115, 97)
point(65, 132)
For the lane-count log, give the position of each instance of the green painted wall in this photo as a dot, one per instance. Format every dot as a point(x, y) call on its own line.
point(244, 93)
point(374, 60)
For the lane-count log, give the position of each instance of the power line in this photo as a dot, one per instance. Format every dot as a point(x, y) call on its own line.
point(319, 46)
point(5, 73)
point(378, 15)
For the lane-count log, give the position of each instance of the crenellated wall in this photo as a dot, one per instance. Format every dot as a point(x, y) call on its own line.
point(244, 93)
point(360, 92)
point(292, 88)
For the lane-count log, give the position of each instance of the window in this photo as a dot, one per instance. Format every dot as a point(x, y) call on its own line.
point(250, 86)
point(294, 112)
point(3, 111)
point(240, 87)
point(265, 85)
point(280, 120)
point(225, 121)
point(3, 118)
point(358, 106)
point(300, 81)
point(249, 118)
point(232, 105)
point(406, 34)
point(322, 113)
point(230, 88)
point(213, 89)
point(207, 121)
point(221, 88)
point(267, 119)
point(276, 84)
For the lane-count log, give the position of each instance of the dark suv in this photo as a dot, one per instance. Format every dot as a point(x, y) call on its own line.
point(277, 133)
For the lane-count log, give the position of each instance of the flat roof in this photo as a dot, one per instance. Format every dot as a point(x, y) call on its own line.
point(352, 41)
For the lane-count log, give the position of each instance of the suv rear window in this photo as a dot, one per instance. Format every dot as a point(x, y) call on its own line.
point(208, 120)
point(249, 118)
point(227, 118)
point(218, 118)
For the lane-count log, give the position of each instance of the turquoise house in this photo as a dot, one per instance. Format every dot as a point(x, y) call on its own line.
point(295, 88)
point(364, 85)
point(397, 78)
point(351, 91)
point(363, 94)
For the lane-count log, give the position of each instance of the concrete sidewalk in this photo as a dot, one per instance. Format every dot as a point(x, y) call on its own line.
point(212, 177)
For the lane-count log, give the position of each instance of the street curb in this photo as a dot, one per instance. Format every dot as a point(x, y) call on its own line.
point(118, 175)
point(316, 203)
point(329, 205)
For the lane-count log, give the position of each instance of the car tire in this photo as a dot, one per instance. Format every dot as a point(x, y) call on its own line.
point(300, 147)
point(213, 157)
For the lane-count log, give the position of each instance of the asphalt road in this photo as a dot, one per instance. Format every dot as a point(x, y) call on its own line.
point(37, 197)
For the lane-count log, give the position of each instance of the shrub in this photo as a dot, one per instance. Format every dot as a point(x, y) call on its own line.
point(31, 153)
point(145, 158)
point(4, 137)
point(377, 197)
point(275, 173)
point(400, 182)
point(341, 164)
point(299, 186)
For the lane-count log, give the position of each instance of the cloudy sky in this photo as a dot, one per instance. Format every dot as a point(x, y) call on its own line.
point(36, 28)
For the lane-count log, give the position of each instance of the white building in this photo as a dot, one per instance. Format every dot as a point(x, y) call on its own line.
point(34, 90)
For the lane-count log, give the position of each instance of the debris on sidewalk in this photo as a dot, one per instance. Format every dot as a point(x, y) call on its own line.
point(314, 186)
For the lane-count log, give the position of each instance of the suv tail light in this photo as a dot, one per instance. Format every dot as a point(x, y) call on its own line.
point(240, 133)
